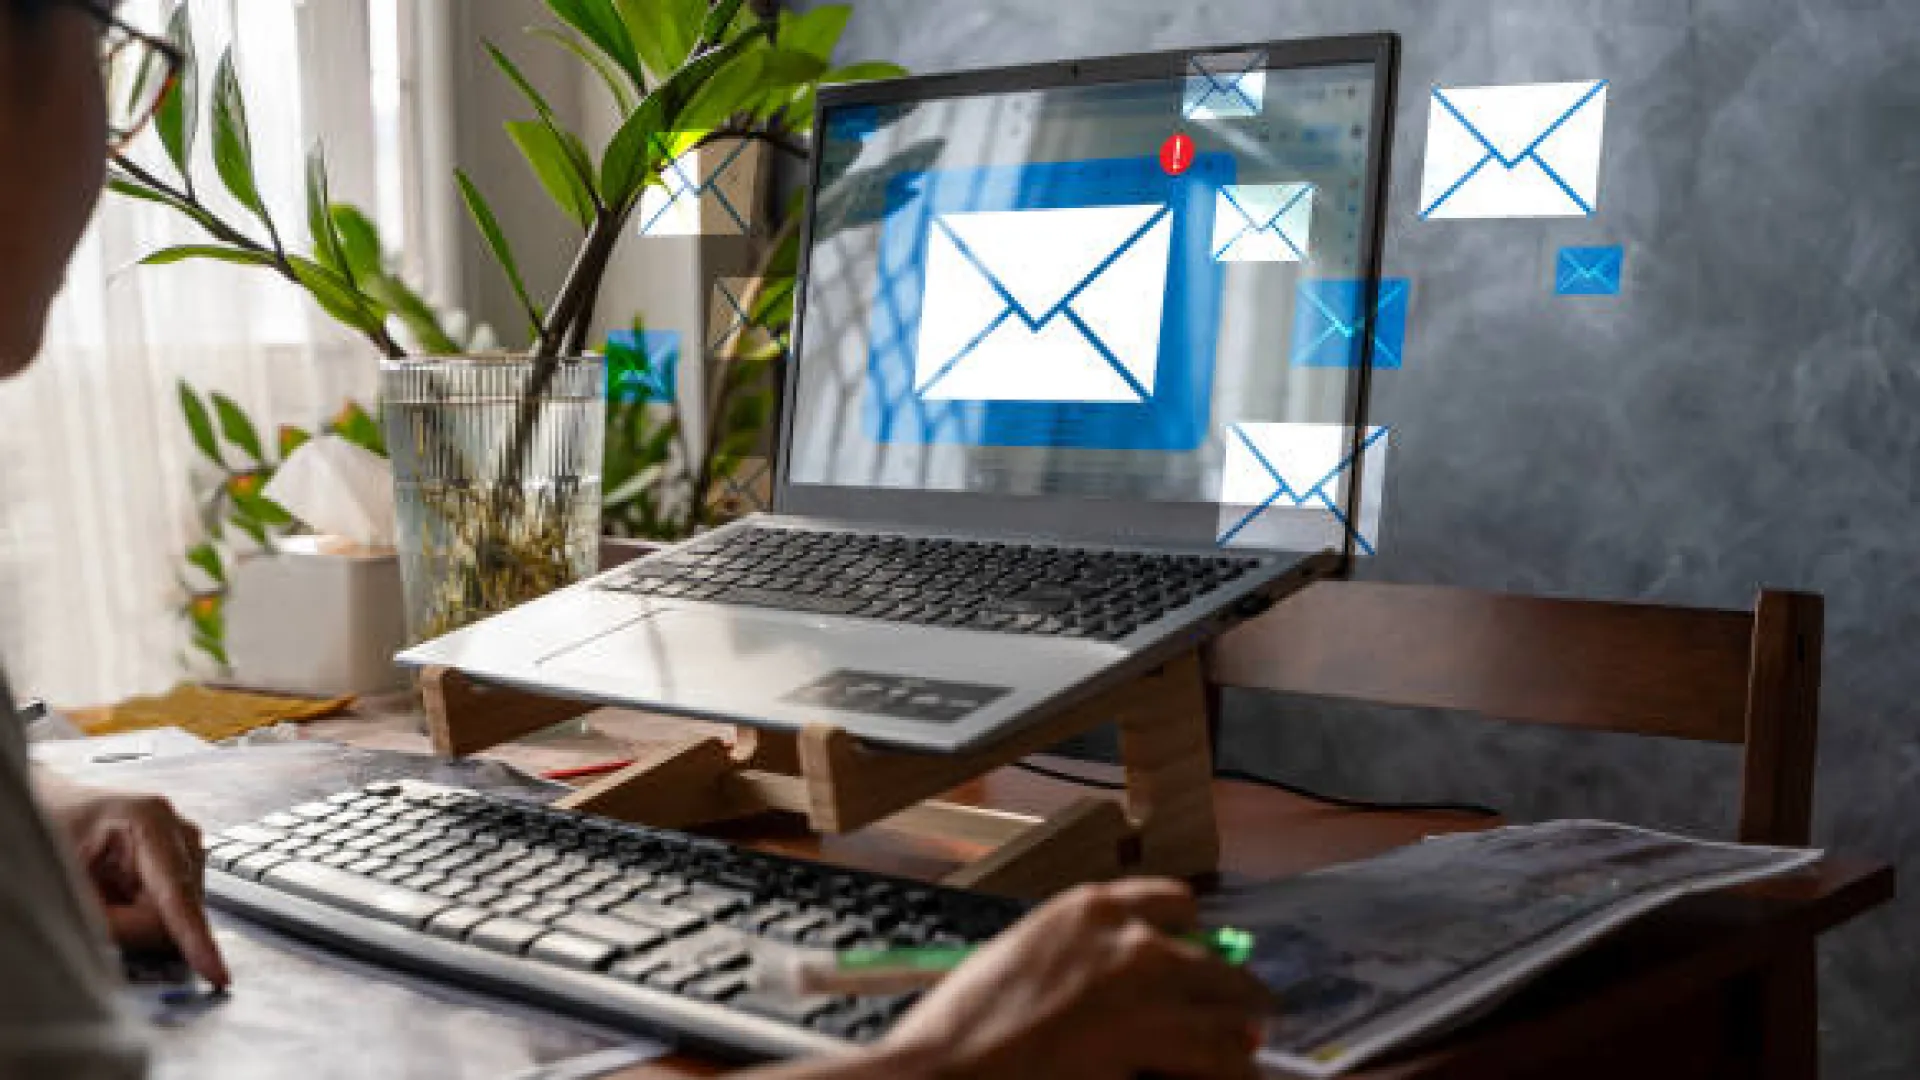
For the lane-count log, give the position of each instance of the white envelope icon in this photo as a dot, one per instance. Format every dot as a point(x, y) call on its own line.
point(1263, 223)
point(1225, 86)
point(1043, 305)
point(1514, 151)
point(1272, 472)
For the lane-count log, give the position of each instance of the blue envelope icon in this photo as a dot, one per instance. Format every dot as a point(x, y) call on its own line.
point(642, 367)
point(1287, 486)
point(1328, 319)
point(1263, 223)
point(1589, 271)
point(707, 191)
point(1053, 304)
point(1225, 86)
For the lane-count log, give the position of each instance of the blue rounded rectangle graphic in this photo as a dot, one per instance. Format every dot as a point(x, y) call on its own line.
point(1328, 319)
point(1008, 310)
point(642, 367)
point(1589, 271)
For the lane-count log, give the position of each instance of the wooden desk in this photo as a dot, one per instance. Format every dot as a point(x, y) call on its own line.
point(1701, 989)
point(1687, 992)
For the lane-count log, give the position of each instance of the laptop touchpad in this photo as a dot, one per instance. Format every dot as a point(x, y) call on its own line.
point(700, 653)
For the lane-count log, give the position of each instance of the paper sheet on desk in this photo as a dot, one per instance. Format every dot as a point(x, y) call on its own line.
point(1369, 956)
point(300, 1011)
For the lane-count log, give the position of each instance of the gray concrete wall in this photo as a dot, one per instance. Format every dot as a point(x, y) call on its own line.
point(1742, 415)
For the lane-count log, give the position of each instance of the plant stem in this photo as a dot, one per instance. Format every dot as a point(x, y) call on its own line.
point(220, 230)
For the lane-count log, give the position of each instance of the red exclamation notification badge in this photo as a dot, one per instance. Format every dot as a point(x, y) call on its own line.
point(1176, 154)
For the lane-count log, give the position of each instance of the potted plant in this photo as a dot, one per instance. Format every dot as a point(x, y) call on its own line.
point(497, 457)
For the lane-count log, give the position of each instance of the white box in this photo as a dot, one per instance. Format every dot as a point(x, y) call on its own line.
point(312, 620)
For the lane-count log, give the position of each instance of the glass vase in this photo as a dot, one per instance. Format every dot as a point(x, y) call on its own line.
point(496, 481)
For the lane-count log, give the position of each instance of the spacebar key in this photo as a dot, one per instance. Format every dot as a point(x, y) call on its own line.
point(773, 598)
point(363, 895)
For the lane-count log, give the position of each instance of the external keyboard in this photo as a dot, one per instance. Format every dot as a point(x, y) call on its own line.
point(971, 584)
point(642, 928)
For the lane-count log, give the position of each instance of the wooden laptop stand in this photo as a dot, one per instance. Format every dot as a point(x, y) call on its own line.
point(1162, 824)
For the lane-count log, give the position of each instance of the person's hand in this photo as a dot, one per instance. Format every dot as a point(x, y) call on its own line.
point(1091, 986)
point(145, 864)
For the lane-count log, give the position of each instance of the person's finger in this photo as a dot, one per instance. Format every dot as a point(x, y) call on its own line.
point(1194, 1045)
point(170, 881)
point(1183, 971)
point(137, 926)
point(1160, 902)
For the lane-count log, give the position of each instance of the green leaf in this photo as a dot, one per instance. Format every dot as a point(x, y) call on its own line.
point(213, 648)
point(663, 32)
point(816, 32)
point(183, 252)
point(356, 426)
point(773, 308)
point(600, 23)
point(359, 240)
point(551, 157)
point(329, 249)
point(232, 143)
point(418, 316)
point(489, 226)
point(568, 143)
point(635, 153)
point(290, 439)
point(178, 118)
point(616, 83)
point(259, 508)
point(237, 428)
point(203, 556)
point(132, 189)
point(338, 299)
point(800, 111)
point(200, 424)
point(719, 20)
point(254, 530)
point(732, 89)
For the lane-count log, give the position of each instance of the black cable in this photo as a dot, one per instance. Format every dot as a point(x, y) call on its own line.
point(1241, 775)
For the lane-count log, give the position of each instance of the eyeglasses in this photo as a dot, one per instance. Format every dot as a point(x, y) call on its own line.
point(140, 70)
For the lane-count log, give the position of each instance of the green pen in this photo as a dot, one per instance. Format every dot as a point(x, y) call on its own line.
point(898, 971)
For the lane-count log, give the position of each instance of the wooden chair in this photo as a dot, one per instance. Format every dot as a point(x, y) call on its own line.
point(1746, 678)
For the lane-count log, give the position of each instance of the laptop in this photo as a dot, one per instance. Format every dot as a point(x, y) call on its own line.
point(1077, 380)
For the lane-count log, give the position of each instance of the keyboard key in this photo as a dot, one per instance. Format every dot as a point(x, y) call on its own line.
point(798, 1010)
point(670, 920)
point(424, 880)
point(604, 899)
point(544, 912)
point(251, 834)
point(621, 934)
point(225, 855)
point(717, 987)
point(513, 903)
point(638, 968)
point(456, 921)
point(368, 896)
point(572, 950)
point(252, 866)
point(725, 958)
point(671, 977)
point(505, 934)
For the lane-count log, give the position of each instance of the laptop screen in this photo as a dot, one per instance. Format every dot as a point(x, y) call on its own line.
point(1144, 293)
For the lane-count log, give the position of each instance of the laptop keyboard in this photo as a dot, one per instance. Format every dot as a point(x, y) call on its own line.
point(645, 927)
point(969, 584)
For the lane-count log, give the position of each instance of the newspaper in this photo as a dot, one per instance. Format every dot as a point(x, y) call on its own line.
point(1367, 956)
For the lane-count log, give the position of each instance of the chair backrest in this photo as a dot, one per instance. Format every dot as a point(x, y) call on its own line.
point(1748, 678)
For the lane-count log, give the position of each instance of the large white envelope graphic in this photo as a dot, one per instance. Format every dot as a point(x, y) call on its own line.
point(1043, 305)
point(1263, 223)
point(1271, 472)
point(1514, 151)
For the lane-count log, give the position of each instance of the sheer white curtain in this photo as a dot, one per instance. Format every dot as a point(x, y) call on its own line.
point(96, 468)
